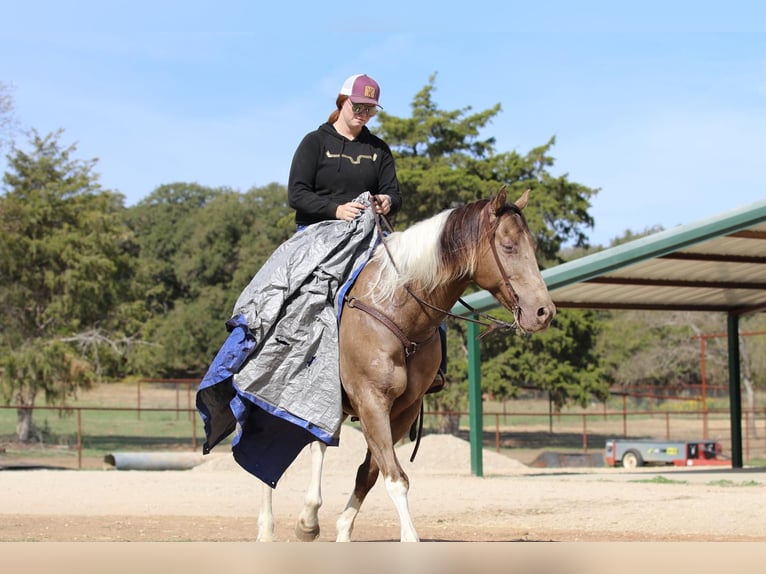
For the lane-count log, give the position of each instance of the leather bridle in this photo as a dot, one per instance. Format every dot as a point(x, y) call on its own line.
point(492, 323)
point(515, 307)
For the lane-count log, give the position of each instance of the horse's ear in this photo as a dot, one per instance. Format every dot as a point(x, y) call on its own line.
point(521, 203)
point(498, 202)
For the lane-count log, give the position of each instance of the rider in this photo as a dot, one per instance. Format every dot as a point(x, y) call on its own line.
point(342, 159)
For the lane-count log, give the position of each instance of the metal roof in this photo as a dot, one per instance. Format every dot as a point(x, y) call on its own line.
point(717, 264)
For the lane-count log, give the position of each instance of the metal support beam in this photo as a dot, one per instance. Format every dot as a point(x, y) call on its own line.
point(735, 391)
point(476, 416)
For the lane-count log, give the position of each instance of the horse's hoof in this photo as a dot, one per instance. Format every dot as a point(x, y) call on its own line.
point(305, 534)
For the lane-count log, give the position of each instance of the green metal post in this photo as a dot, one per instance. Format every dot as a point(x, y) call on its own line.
point(735, 391)
point(476, 416)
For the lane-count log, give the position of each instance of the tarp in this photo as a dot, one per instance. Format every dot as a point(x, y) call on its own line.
point(276, 379)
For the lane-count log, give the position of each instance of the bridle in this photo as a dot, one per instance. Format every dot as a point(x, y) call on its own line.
point(514, 297)
point(492, 323)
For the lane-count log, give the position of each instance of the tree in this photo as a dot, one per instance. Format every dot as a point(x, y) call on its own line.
point(199, 247)
point(442, 162)
point(561, 360)
point(659, 348)
point(160, 224)
point(8, 122)
point(64, 265)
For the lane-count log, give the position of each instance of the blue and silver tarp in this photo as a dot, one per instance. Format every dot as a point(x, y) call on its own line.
point(276, 381)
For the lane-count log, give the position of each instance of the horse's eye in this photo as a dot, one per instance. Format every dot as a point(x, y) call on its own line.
point(508, 247)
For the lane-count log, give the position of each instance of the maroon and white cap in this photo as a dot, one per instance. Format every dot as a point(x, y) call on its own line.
point(361, 89)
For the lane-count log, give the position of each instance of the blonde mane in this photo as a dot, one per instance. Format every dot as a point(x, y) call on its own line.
point(427, 254)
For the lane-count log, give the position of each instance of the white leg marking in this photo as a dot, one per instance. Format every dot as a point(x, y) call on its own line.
point(344, 526)
point(308, 522)
point(266, 516)
point(398, 492)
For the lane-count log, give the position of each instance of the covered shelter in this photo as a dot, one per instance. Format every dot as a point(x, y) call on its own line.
point(714, 265)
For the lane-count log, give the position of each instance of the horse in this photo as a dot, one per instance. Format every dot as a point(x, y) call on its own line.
point(389, 347)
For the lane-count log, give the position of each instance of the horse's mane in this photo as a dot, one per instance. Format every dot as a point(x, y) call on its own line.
point(429, 253)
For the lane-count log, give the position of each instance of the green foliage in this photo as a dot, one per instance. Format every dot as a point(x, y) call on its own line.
point(442, 162)
point(729, 483)
point(161, 224)
point(560, 360)
point(198, 248)
point(64, 266)
point(659, 348)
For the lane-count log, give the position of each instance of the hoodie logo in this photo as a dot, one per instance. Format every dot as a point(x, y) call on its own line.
point(354, 160)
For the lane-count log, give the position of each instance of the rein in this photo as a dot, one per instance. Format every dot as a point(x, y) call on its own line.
point(493, 323)
point(409, 346)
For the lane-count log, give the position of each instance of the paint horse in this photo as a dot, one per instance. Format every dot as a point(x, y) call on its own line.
point(389, 345)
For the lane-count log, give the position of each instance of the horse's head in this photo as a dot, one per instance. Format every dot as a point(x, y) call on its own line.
point(507, 265)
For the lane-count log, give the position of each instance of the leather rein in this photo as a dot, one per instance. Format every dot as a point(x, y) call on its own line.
point(492, 323)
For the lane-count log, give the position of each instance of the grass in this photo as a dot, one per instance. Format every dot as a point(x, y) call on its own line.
point(108, 424)
point(725, 482)
point(661, 480)
point(103, 432)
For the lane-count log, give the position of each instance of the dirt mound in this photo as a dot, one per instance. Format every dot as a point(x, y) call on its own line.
point(438, 453)
point(448, 454)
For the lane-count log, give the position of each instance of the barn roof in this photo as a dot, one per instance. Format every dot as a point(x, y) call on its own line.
point(717, 264)
point(713, 265)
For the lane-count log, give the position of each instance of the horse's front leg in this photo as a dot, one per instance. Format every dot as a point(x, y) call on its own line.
point(307, 528)
point(366, 475)
point(381, 457)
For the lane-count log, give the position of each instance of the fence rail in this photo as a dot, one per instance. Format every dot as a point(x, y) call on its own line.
point(96, 428)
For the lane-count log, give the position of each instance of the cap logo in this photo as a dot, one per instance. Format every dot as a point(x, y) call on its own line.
point(369, 92)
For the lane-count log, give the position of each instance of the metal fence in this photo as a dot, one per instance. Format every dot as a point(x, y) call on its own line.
point(81, 436)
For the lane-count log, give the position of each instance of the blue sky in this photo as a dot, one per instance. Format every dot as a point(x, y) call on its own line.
point(659, 104)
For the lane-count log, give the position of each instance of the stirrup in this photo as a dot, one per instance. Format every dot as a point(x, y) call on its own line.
point(438, 384)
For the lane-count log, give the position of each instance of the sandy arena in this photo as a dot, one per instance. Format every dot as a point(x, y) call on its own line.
point(217, 501)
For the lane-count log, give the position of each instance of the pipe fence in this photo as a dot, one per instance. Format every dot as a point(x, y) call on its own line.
point(88, 433)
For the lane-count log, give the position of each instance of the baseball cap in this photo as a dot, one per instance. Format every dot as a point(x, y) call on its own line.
point(361, 89)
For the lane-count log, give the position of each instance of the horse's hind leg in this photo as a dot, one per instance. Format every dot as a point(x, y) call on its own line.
point(307, 528)
point(266, 515)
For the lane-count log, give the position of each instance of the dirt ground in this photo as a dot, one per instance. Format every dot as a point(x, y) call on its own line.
point(217, 501)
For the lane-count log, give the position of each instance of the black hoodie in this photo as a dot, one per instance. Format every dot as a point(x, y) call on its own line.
point(329, 170)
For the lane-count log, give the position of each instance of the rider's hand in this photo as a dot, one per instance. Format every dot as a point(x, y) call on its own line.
point(348, 211)
point(382, 204)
